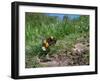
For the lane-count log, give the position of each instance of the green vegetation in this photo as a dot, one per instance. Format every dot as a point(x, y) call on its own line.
point(68, 32)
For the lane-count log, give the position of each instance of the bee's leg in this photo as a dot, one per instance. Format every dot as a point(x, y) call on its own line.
point(48, 57)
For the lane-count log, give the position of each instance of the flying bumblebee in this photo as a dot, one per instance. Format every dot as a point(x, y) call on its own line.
point(46, 43)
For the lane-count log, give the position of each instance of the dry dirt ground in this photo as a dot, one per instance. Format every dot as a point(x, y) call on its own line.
point(79, 55)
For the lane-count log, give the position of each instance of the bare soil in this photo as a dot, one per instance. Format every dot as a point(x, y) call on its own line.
point(79, 55)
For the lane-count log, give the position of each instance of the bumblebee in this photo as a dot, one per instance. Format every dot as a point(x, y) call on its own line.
point(48, 42)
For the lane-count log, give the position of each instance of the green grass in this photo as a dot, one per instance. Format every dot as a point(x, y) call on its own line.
point(38, 26)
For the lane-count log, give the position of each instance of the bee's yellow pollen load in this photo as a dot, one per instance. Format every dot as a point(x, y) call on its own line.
point(47, 45)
